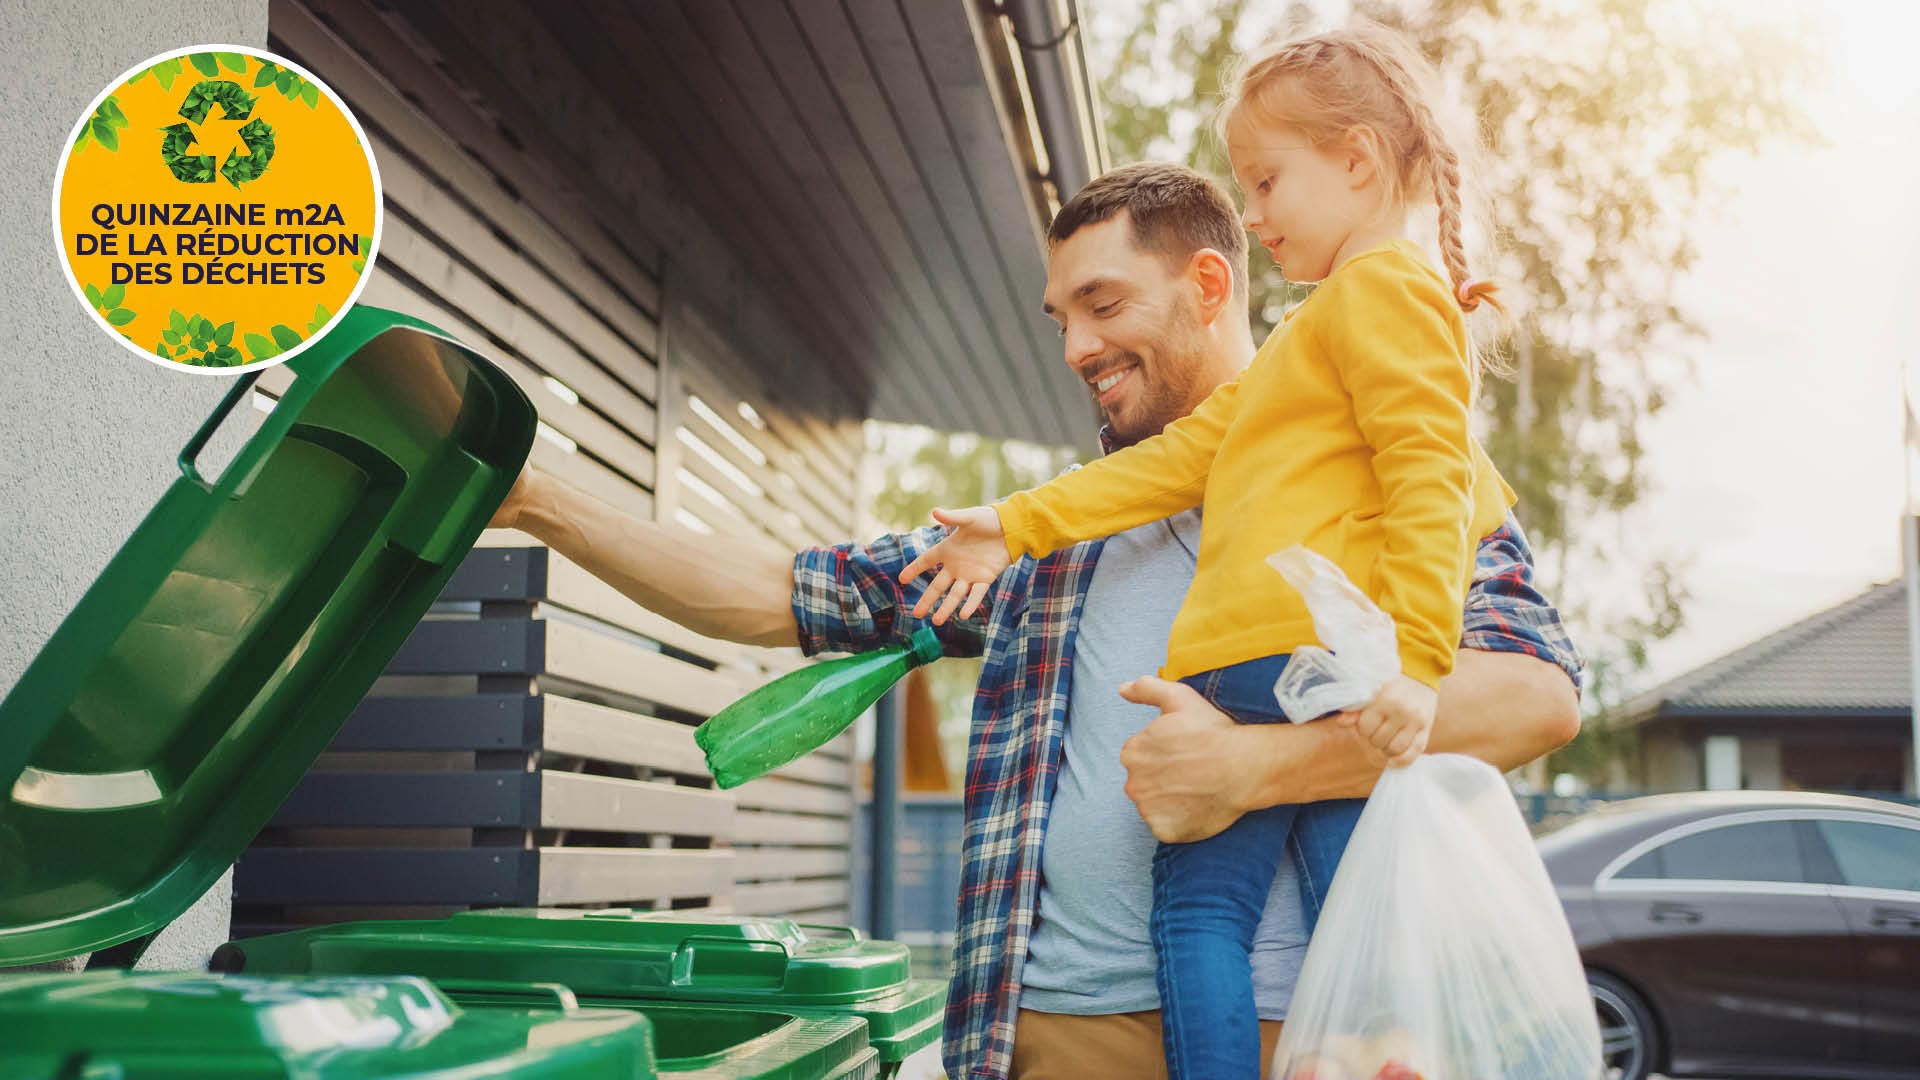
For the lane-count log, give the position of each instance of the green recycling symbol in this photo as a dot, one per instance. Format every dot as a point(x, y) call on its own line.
point(237, 104)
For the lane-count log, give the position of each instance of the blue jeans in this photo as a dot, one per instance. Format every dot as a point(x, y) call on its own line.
point(1208, 897)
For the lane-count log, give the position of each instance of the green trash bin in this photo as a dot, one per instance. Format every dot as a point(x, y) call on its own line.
point(228, 639)
point(631, 959)
point(149, 1026)
point(197, 680)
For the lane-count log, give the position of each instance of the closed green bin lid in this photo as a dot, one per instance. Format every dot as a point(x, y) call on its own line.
point(621, 957)
point(225, 643)
point(144, 1026)
point(725, 1042)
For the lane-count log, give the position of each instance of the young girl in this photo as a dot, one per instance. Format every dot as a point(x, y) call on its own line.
point(1348, 433)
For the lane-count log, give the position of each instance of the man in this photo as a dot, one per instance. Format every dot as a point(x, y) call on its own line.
point(1053, 967)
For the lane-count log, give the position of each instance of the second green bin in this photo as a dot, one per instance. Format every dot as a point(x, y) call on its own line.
point(624, 958)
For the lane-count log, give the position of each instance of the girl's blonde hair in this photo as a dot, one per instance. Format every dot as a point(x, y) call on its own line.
point(1367, 76)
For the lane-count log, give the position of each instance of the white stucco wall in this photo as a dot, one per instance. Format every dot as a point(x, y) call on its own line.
point(88, 431)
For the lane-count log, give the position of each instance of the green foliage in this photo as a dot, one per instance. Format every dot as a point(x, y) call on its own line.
point(1600, 123)
point(103, 127)
point(257, 136)
point(163, 72)
point(923, 469)
point(195, 339)
point(107, 302)
point(289, 83)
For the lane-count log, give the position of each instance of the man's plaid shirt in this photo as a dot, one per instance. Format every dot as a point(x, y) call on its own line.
point(848, 598)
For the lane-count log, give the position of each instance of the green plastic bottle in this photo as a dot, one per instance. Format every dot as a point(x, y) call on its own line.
point(803, 710)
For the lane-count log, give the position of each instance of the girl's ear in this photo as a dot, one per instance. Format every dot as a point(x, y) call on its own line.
point(1360, 153)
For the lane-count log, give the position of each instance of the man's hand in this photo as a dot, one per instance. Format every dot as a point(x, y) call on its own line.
point(1192, 771)
point(1397, 721)
point(970, 559)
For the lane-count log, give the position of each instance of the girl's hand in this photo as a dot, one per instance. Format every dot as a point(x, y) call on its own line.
point(1397, 721)
point(970, 558)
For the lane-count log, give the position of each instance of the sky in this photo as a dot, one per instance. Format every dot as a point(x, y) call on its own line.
point(1778, 469)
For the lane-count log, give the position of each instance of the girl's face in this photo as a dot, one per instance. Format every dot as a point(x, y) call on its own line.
point(1304, 202)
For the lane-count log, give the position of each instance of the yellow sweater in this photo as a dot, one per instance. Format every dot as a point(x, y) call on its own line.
point(1348, 433)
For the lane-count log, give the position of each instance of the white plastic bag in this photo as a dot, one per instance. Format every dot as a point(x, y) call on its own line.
point(1442, 952)
point(1364, 653)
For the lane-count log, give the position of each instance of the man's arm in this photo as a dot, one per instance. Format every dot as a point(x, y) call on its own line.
point(1193, 771)
point(843, 598)
point(730, 587)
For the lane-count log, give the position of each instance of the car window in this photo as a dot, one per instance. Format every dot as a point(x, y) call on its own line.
point(1874, 856)
point(1755, 851)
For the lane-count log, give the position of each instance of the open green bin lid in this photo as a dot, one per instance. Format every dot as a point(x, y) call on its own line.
point(226, 642)
point(621, 957)
point(120, 1026)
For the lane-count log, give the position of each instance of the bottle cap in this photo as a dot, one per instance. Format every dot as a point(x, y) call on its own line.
point(924, 647)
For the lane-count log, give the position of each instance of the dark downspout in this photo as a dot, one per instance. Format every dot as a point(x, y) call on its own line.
point(1044, 47)
point(883, 883)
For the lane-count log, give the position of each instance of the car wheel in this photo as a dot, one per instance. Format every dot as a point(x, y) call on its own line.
point(1629, 1039)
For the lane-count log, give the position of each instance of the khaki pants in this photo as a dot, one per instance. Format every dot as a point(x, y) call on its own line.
point(1122, 1046)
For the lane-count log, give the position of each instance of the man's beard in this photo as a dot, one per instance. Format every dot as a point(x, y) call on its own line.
point(1165, 397)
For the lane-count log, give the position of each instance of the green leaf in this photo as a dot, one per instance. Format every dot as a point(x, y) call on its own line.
point(138, 75)
point(234, 61)
point(285, 80)
point(167, 72)
point(93, 296)
point(285, 336)
point(201, 327)
point(227, 353)
point(224, 333)
point(260, 347)
point(179, 323)
point(120, 316)
point(113, 295)
point(113, 112)
point(172, 337)
point(310, 94)
point(161, 351)
point(267, 74)
point(103, 131)
point(86, 133)
point(206, 64)
point(320, 313)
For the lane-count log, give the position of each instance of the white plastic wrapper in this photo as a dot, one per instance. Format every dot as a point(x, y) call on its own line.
point(1364, 652)
point(1442, 952)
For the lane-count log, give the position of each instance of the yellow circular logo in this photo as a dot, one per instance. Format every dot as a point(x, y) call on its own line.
point(217, 209)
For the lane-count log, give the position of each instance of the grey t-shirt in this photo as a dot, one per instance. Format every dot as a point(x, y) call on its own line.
point(1090, 953)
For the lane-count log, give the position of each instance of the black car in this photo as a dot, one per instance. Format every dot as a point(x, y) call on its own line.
point(1748, 933)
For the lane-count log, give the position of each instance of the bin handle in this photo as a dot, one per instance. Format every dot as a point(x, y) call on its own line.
point(838, 933)
point(242, 387)
point(551, 995)
point(686, 965)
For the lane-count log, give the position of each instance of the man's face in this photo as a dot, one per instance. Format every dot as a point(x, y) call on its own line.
point(1130, 325)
